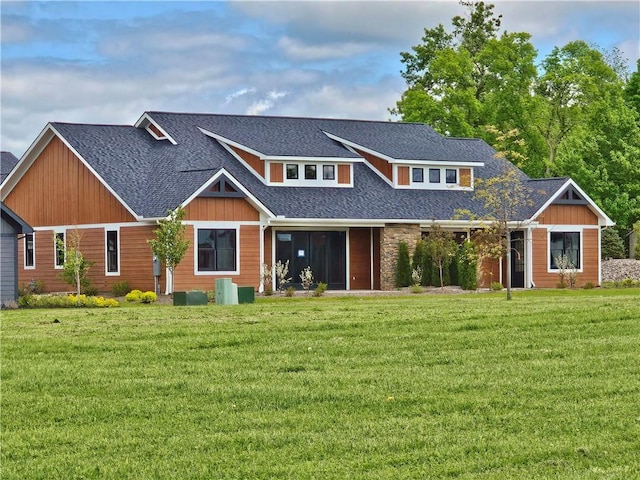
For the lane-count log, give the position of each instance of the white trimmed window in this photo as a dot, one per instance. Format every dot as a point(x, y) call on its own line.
point(305, 174)
point(30, 250)
point(567, 244)
point(216, 251)
point(59, 246)
point(112, 252)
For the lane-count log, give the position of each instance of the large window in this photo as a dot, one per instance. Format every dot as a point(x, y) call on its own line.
point(112, 251)
point(29, 251)
point(216, 250)
point(58, 249)
point(567, 244)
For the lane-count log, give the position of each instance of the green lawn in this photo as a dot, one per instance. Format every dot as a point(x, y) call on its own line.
point(429, 386)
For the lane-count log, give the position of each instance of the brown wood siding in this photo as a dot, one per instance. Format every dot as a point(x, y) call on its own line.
point(344, 174)
point(185, 279)
point(253, 160)
point(360, 258)
point(156, 130)
point(567, 215)
point(221, 209)
point(590, 261)
point(384, 167)
point(376, 259)
point(59, 190)
point(403, 175)
point(465, 177)
point(276, 172)
point(136, 266)
point(489, 271)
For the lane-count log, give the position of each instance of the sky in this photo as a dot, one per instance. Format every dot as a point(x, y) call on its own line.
point(109, 62)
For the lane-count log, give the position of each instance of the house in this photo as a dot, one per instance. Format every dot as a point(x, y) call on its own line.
point(336, 195)
point(11, 227)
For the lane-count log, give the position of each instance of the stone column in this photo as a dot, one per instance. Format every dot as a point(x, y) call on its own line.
point(390, 236)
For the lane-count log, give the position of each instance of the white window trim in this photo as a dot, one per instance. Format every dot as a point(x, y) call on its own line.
point(24, 253)
point(426, 184)
point(215, 226)
point(319, 181)
point(106, 255)
point(56, 232)
point(564, 229)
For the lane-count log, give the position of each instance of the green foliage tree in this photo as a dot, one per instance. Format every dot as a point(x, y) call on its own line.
point(170, 244)
point(442, 249)
point(463, 79)
point(76, 266)
point(578, 115)
point(403, 266)
point(467, 259)
point(612, 245)
point(418, 259)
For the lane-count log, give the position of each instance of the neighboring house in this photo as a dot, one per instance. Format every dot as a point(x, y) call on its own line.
point(7, 161)
point(11, 227)
point(336, 195)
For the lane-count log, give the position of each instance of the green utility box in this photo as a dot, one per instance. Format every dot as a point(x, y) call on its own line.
point(246, 295)
point(194, 297)
point(226, 292)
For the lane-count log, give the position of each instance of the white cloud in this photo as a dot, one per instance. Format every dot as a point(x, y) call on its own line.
point(261, 106)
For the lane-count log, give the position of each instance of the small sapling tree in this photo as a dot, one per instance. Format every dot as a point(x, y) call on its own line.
point(170, 244)
point(442, 249)
point(75, 267)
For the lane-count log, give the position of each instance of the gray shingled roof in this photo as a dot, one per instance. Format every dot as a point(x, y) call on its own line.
point(7, 161)
point(153, 176)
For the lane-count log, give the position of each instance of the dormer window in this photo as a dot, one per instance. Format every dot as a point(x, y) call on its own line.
point(310, 172)
point(292, 171)
point(434, 175)
point(328, 172)
point(452, 176)
point(417, 174)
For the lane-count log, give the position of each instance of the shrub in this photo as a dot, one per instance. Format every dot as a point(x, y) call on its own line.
point(37, 286)
point(415, 288)
point(306, 278)
point(10, 305)
point(120, 289)
point(403, 268)
point(418, 260)
point(290, 291)
point(320, 289)
point(612, 244)
point(66, 301)
point(496, 286)
point(90, 290)
point(133, 296)
point(636, 229)
point(588, 286)
point(282, 270)
point(467, 259)
point(148, 297)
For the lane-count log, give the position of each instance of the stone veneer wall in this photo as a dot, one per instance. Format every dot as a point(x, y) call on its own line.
point(390, 236)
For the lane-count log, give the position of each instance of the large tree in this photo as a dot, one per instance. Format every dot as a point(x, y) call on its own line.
point(468, 77)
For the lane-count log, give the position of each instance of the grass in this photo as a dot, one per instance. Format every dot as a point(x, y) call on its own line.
point(464, 386)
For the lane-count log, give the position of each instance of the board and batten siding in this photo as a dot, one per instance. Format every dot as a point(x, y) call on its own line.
point(249, 244)
point(8, 252)
point(58, 189)
point(567, 215)
point(360, 258)
point(221, 210)
point(136, 259)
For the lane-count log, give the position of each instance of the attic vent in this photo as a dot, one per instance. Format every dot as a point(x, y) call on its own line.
point(570, 196)
point(155, 131)
point(223, 187)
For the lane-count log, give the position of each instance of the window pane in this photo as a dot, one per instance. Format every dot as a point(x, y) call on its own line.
point(292, 172)
point(59, 249)
point(112, 251)
point(216, 250)
point(329, 172)
point(310, 172)
point(452, 175)
point(567, 244)
point(417, 175)
point(434, 175)
point(28, 250)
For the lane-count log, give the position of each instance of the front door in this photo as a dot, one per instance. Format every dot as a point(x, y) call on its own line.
point(517, 259)
point(324, 252)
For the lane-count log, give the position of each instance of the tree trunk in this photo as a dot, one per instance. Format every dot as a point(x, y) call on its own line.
point(508, 264)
